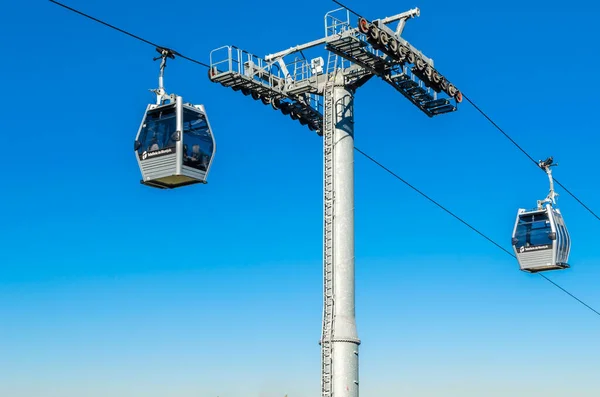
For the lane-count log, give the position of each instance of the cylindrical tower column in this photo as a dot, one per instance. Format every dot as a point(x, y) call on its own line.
point(345, 338)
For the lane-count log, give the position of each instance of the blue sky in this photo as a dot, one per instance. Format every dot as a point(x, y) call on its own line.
point(108, 287)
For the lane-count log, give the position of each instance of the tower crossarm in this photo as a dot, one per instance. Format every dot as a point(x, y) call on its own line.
point(380, 49)
point(297, 48)
point(294, 88)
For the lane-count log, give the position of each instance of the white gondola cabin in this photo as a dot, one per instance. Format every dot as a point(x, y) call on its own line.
point(540, 238)
point(174, 145)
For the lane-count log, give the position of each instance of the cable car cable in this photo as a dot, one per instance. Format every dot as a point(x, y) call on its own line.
point(501, 130)
point(469, 226)
point(570, 294)
point(369, 157)
point(347, 8)
point(130, 34)
point(433, 201)
point(527, 154)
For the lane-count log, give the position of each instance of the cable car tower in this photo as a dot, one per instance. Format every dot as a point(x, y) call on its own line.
point(320, 95)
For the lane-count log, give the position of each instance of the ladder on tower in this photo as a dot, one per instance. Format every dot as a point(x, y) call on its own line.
point(328, 203)
point(332, 63)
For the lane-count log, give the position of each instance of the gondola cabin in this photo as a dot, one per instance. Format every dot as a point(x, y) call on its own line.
point(174, 146)
point(540, 240)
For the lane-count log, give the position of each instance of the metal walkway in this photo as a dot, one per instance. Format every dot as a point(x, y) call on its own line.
point(358, 51)
point(267, 82)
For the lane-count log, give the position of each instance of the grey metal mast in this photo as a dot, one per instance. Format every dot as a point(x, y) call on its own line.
point(339, 342)
point(320, 95)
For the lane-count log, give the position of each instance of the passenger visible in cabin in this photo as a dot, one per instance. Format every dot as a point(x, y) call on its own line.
point(154, 143)
point(196, 153)
point(199, 158)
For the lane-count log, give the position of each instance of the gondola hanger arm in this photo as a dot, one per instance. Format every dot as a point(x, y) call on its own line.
point(546, 166)
point(160, 92)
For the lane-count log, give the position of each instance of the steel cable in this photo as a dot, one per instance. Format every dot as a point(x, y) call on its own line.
point(371, 158)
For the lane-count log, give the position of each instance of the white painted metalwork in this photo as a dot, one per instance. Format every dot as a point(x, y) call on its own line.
point(552, 195)
point(320, 95)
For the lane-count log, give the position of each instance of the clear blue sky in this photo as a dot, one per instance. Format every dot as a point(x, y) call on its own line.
point(111, 288)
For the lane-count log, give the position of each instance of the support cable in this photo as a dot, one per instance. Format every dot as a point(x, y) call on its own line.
point(469, 226)
point(371, 158)
point(503, 133)
point(528, 155)
point(347, 8)
point(500, 129)
point(129, 34)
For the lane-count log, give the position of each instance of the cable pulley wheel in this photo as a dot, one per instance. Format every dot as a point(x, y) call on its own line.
point(373, 32)
point(458, 96)
point(363, 26)
point(451, 91)
point(285, 108)
point(402, 52)
point(275, 103)
point(429, 72)
point(393, 45)
point(444, 84)
point(384, 39)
